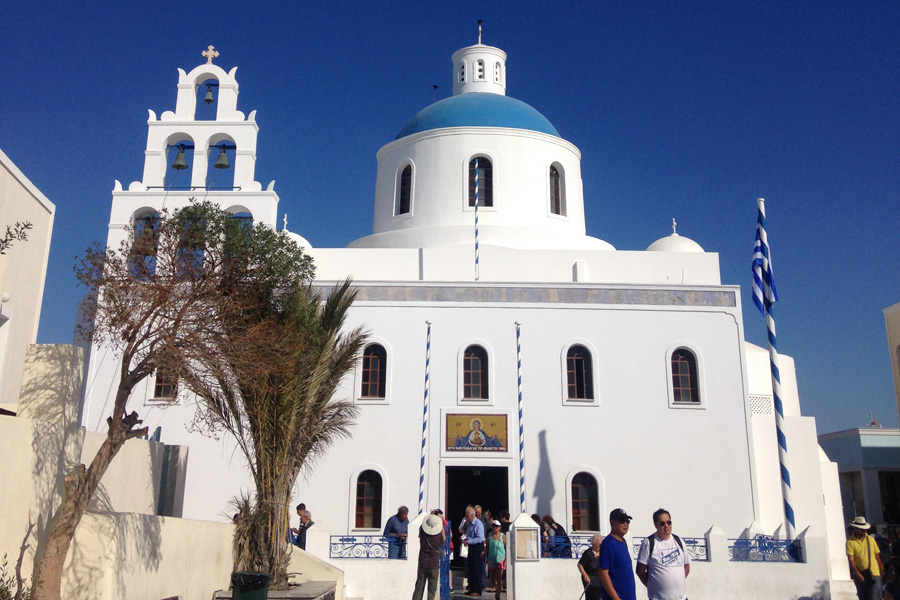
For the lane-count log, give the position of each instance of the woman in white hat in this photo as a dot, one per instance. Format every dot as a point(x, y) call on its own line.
point(865, 563)
point(431, 540)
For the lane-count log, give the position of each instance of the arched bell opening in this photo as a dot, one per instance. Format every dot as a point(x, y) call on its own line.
point(220, 157)
point(179, 162)
point(207, 93)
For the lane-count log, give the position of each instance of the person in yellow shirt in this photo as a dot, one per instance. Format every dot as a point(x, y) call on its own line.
point(865, 563)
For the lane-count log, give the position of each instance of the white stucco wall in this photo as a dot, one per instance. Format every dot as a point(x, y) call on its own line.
point(23, 270)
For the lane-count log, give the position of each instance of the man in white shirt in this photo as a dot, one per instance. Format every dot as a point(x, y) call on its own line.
point(662, 563)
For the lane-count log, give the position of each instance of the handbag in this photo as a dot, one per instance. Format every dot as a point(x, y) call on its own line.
point(868, 578)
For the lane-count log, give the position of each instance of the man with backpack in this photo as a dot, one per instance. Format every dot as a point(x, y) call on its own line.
point(662, 563)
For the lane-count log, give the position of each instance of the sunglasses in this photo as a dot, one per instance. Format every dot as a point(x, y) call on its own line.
point(664, 522)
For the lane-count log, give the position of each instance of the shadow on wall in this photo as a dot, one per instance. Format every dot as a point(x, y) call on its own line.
point(543, 485)
point(49, 397)
point(123, 546)
point(106, 544)
point(823, 591)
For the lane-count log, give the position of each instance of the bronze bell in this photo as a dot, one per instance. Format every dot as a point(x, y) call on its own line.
point(209, 95)
point(222, 161)
point(180, 164)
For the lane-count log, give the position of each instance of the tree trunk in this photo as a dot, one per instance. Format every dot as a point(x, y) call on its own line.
point(79, 488)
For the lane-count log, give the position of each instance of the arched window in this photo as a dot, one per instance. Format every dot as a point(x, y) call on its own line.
point(145, 245)
point(462, 72)
point(479, 70)
point(481, 181)
point(374, 372)
point(585, 508)
point(165, 386)
point(368, 500)
point(497, 72)
point(404, 191)
point(475, 373)
point(557, 201)
point(580, 373)
point(685, 385)
point(189, 257)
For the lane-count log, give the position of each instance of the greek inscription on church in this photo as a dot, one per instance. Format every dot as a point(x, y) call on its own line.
point(476, 433)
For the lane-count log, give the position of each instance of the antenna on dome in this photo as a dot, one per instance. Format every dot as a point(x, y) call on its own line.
point(674, 224)
point(480, 21)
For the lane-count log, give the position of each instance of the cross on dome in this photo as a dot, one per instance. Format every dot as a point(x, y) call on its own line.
point(673, 226)
point(210, 53)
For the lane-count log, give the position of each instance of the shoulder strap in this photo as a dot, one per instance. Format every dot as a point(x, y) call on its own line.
point(652, 541)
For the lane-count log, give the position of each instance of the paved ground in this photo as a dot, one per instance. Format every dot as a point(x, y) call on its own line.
point(459, 591)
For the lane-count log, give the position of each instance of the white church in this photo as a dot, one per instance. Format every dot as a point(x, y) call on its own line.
point(514, 361)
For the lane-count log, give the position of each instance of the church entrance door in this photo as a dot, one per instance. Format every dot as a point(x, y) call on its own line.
point(487, 486)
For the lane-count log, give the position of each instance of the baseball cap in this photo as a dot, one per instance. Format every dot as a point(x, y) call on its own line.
point(619, 516)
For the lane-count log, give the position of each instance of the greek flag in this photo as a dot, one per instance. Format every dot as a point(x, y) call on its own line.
point(764, 293)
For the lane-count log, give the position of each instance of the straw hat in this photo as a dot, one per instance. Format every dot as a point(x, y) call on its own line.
point(860, 523)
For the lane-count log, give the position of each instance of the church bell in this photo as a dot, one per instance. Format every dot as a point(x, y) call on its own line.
point(209, 95)
point(222, 161)
point(179, 164)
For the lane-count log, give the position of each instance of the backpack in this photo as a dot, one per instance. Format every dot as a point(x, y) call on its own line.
point(652, 541)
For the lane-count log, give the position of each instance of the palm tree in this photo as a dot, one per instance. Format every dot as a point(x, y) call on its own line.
point(268, 378)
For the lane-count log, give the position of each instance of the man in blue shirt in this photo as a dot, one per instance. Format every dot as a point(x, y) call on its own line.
point(395, 530)
point(475, 562)
point(616, 574)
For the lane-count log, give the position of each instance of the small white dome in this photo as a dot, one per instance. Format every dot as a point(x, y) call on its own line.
point(674, 243)
point(301, 241)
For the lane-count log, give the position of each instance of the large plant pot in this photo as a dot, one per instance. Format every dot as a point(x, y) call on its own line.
point(250, 585)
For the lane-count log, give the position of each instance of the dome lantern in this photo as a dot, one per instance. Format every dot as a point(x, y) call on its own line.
point(479, 68)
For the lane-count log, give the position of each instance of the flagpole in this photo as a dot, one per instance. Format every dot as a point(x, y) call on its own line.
point(425, 418)
point(521, 426)
point(477, 272)
point(764, 296)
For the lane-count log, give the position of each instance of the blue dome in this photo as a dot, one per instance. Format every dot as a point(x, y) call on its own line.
point(478, 110)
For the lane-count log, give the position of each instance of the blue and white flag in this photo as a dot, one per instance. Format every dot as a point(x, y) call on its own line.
point(764, 293)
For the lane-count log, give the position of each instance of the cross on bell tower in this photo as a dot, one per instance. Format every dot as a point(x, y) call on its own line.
point(210, 53)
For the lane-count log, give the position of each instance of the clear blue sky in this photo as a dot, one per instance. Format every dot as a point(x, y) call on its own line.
point(681, 109)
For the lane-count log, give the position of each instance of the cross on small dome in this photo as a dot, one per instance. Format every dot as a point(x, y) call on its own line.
point(210, 53)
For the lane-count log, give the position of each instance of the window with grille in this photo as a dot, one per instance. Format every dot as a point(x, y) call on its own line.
point(374, 372)
point(685, 388)
point(585, 507)
point(481, 181)
point(404, 191)
point(166, 386)
point(475, 373)
point(580, 373)
point(368, 500)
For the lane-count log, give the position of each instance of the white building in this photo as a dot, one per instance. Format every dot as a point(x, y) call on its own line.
point(637, 387)
point(23, 270)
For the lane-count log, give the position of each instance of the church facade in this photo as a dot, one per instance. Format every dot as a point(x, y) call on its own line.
point(513, 360)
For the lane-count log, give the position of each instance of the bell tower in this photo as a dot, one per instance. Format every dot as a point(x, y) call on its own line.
point(205, 149)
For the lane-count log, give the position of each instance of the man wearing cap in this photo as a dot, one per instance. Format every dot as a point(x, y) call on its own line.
point(662, 563)
point(431, 540)
point(615, 560)
point(865, 563)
